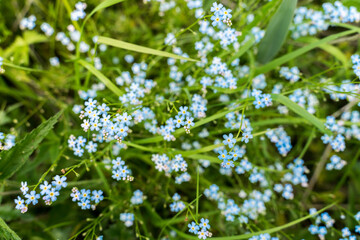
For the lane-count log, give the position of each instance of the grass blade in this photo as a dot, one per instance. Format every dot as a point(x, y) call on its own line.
point(301, 112)
point(101, 77)
point(12, 160)
point(105, 4)
point(330, 49)
point(140, 49)
point(281, 60)
point(276, 31)
point(6, 232)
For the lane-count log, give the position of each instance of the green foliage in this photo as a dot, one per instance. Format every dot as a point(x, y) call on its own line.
point(101, 6)
point(301, 112)
point(276, 31)
point(141, 49)
point(6, 233)
point(30, 88)
point(11, 161)
point(294, 54)
point(101, 77)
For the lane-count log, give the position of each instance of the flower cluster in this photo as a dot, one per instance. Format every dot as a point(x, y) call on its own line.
point(136, 86)
point(54, 61)
point(85, 196)
point(6, 141)
point(184, 177)
point(335, 163)
point(356, 64)
point(221, 20)
point(120, 171)
point(79, 12)
point(259, 82)
point(305, 99)
point(337, 143)
point(235, 152)
point(297, 173)
point(251, 208)
point(201, 229)
point(236, 120)
point(291, 74)
point(47, 29)
point(164, 163)
point(127, 218)
point(28, 23)
point(286, 190)
point(177, 205)
point(281, 139)
point(261, 100)
point(264, 236)
point(324, 223)
point(224, 78)
point(104, 127)
point(137, 198)
point(49, 193)
point(309, 21)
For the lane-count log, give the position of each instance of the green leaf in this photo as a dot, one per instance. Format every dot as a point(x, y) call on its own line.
point(140, 49)
point(301, 112)
point(101, 6)
point(281, 60)
point(6, 232)
point(276, 31)
point(10, 65)
point(4, 119)
point(328, 48)
point(351, 3)
point(101, 77)
point(12, 160)
point(32, 37)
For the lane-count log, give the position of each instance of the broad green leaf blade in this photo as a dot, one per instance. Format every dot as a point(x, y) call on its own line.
point(12, 160)
point(276, 31)
point(6, 232)
point(105, 4)
point(140, 49)
point(301, 112)
point(281, 60)
point(101, 77)
point(328, 48)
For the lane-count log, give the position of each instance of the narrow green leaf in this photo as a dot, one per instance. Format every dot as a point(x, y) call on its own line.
point(6, 232)
point(140, 49)
point(301, 112)
point(276, 31)
point(101, 77)
point(281, 60)
point(328, 48)
point(10, 65)
point(105, 4)
point(12, 160)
